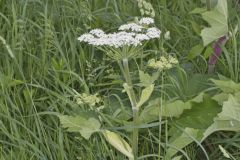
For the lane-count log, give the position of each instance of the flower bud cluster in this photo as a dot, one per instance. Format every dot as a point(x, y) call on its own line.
point(146, 8)
point(163, 63)
point(88, 99)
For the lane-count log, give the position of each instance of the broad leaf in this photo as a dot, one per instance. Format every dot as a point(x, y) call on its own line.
point(231, 109)
point(196, 27)
point(146, 93)
point(228, 119)
point(198, 99)
point(172, 109)
point(169, 109)
point(120, 144)
point(220, 98)
point(146, 79)
point(227, 86)
point(221, 125)
point(208, 52)
point(195, 51)
point(187, 137)
point(218, 20)
point(201, 115)
point(85, 126)
point(195, 120)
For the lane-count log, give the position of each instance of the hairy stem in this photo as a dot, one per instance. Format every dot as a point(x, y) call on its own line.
point(133, 100)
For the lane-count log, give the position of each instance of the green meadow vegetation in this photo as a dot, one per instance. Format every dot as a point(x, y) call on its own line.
point(69, 93)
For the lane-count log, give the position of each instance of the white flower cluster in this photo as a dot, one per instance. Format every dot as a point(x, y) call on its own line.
point(97, 32)
point(86, 37)
point(163, 63)
point(153, 32)
point(128, 35)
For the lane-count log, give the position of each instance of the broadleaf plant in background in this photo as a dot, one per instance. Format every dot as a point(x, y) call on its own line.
point(217, 18)
point(221, 113)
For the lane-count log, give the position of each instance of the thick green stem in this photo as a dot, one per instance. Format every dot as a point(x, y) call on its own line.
point(135, 134)
point(133, 100)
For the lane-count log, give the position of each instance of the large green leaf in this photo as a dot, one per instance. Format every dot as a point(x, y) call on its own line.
point(218, 20)
point(169, 109)
point(227, 86)
point(187, 137)
point(201, 115)
point(220, 98)
point(85, 126)
point(193, 121)
point(231, 109)
point(120, 144)
point(195, 51)
point(221, 125)
point(228, 119)
point(208, 52)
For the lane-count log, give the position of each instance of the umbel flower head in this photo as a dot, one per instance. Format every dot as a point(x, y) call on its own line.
point(131, 34)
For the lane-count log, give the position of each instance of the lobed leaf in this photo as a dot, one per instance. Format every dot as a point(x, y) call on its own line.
point(201, 115)
point(227, 86)
point(218, 20)
point(85, 126)
point(228, 119)
point(171, 109)
point(182, 141)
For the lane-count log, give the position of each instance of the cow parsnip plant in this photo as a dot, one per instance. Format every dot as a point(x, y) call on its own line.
point(122, 46)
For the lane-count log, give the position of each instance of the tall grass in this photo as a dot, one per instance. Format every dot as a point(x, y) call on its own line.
point(41, 67)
